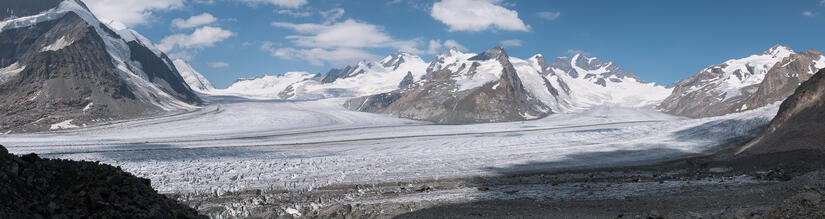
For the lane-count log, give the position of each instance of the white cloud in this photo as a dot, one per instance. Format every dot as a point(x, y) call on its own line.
point(349, 33)
point(217, 64)
point(185, 55)
point(343, 42)
point(319, 56)
point(511, 43)
point(294, 13)
point(477, 15)
point(436, 46)
point(130, 12)
point(454, 44)
point(332, 15)
point(577, 51)
point(279, 3)
point(202, 37)
point(194, 21)
point(549, 15)
point(822, 2)
point(411, 4)
point(808, 14)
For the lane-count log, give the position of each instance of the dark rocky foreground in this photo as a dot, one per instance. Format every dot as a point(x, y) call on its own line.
point(32, 187)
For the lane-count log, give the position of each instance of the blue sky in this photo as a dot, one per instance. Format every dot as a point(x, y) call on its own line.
point(661, 41)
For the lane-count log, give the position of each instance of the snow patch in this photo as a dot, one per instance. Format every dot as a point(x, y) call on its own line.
point(57, 45)
point(488, 71)
point(88, 106)
point(10, 71)
point(293, 212)
point(63, 125)
point(820, 63)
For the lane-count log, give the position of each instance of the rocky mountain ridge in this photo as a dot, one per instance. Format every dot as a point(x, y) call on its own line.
point(62, 68)
point(743, 84)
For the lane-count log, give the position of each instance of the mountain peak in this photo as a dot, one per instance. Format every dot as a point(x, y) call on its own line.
point(778, 50)
point(492, 53)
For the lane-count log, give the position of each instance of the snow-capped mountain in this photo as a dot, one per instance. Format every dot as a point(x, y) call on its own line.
point(742, 84)
point(364, 78)
point(68, 69)
point(593, 82)
point(192, 77)
point(267, 86)
point(461, 88)
point(566, 85)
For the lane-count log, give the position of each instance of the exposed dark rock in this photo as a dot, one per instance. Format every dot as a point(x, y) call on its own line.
point(335, 74)
point(32, 187)
point(57, 85)
point(407, 81)
point(799, 123)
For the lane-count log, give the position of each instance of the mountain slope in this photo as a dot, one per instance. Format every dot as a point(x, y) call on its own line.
point(482, 88)
point(799, 123)
point(62, 68)
point(742, 84)
point(192, 77)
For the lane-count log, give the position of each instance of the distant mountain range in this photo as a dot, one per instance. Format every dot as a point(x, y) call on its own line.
point(60, 67)
point(440, 91)
point(541, 88)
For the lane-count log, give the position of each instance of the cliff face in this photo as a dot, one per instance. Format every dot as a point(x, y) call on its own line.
point(799, 123)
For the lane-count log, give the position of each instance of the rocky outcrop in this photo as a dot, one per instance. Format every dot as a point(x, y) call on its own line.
point(32, 187)
point(442, 100)
point(335, 74)
point(742, 84)
point(799, 123)
point(407, 81)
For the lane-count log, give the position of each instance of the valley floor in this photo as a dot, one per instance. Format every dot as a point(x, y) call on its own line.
point(236, 145)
